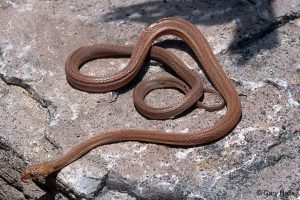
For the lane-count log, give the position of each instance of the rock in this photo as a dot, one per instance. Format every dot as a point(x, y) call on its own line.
point(42, 116)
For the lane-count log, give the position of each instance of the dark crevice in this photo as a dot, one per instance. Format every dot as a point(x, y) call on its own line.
point(251, 2)
point(279, 22)
point(101, 186)
point(53, 190)
point(4, 144)
point(52, 142)
point(274, 84)
point(283, 138)
point(15, 185)
point(280, 86)
point(19, 82)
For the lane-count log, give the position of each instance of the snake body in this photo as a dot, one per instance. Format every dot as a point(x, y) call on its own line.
point(189, 83)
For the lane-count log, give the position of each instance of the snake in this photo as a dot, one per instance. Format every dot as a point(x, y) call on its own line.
point(187, 81)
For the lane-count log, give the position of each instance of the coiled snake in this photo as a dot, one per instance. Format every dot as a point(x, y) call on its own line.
point(188, 82)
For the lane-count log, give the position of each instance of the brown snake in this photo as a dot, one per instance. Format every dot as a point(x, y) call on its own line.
point(189, 83)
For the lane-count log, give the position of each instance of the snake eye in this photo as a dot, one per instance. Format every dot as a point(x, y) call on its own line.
point(32, 174)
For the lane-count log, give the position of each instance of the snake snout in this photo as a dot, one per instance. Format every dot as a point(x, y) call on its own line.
point(36, 170)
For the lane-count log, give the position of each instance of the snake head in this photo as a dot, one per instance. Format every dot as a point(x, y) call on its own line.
point(36, 170)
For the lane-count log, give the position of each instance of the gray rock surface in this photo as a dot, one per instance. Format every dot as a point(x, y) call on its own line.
point(41, 116)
